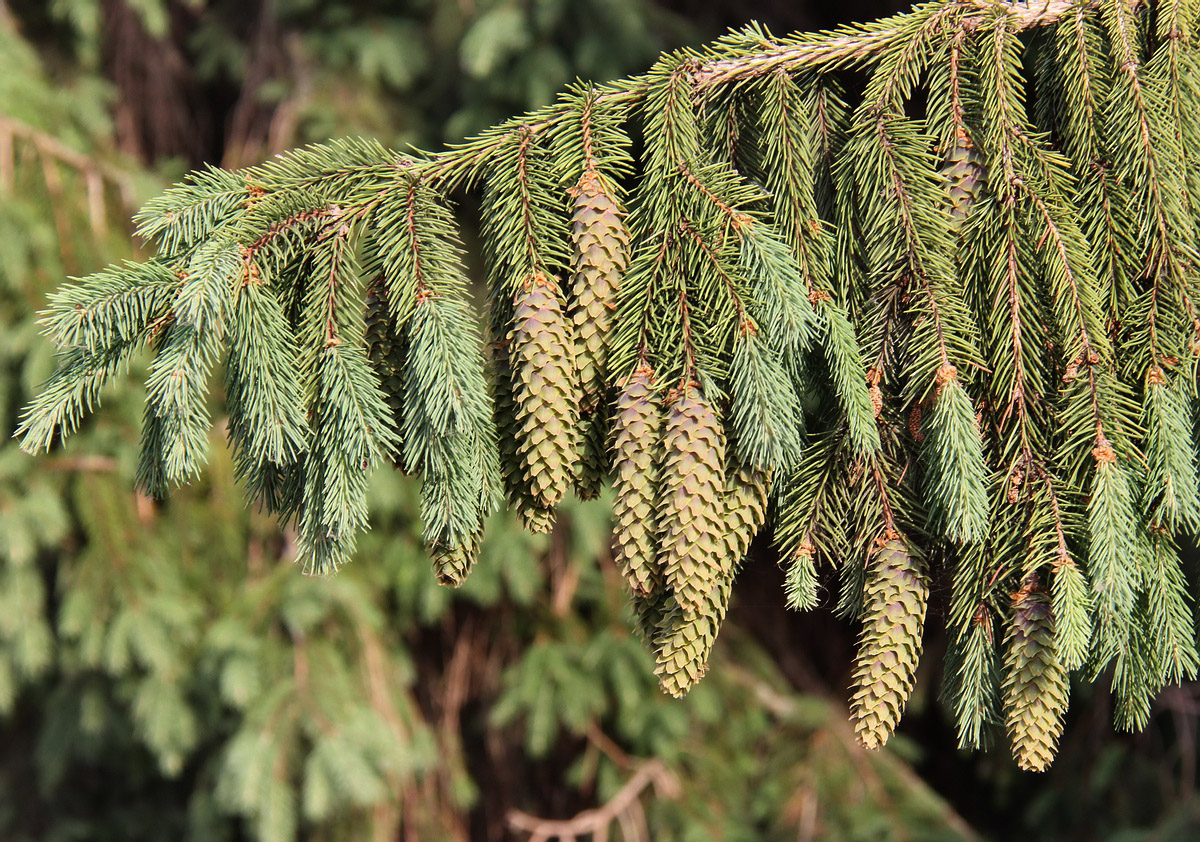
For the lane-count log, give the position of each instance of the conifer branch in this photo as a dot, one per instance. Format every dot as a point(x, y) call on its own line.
point(964, 329)
point(822, 51)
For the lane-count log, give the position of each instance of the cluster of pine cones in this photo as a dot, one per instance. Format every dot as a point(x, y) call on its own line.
point(683, 517)
point(685, 512)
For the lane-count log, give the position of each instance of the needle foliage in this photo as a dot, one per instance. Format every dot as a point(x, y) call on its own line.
point(927, 284)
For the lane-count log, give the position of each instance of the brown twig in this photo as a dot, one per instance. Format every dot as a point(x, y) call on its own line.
point(81, 464)
point(623, 809)
point(95, 173)
point(868, 764)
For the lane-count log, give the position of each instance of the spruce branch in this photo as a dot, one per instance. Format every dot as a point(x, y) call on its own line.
point(948, 313)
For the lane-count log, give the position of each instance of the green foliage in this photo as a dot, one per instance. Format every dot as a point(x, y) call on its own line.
point(164, 671)
point(410, 72)
point(932, 330)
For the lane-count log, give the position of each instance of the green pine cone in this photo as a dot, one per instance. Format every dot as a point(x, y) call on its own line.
point(544, 391)
point(964, 171)
point(601, 255)
point(385, 349)
point(895, 600)
point(686, 636)
point(638, 422)
point(745, 510)
point(1035, 683)
point(533, 516)
point(649, 611)
point(692, 508)
point(591, 468)
point(451, 564)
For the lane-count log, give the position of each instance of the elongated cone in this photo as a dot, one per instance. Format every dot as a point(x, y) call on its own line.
point(601, 256)
point(890, 645)
point(638, 423)
point(532, 515)
point(1035, 683)
point(544, 391)
point(691, 509)
point(687, 635)
point(964, 171)
point(385, 348)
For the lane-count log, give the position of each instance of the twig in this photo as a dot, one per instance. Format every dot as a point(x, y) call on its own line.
point(81, 464)
point(852, 44)
point(623, 809)
point(783, 707)
point(52, 147)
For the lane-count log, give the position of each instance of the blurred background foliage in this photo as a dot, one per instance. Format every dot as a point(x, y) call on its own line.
point(165, 673)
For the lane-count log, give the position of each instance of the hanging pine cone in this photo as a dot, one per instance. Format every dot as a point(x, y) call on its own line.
point(649, 611)
point(692, 508)
point(893, 619)
point(638, 423)
point(745, 510)
point(385, 348)
point(1035, 684)
point(601, 255)
point(533, 516)
point(686, 637)
point(451, 564)
point(964, 172)
point(544, 389)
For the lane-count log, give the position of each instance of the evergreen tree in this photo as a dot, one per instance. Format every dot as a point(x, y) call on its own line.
point(948, 320)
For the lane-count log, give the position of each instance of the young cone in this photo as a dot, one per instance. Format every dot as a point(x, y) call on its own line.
point(893, 619)
point(691, 508)
point(685, 639)
point(544, 389)
point(601, 255)
point(638, 424)
point(1035, 684)
point(745, 510)
point(534, 517)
